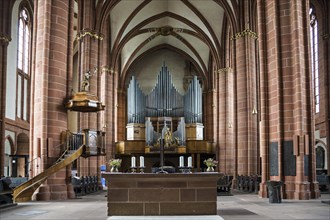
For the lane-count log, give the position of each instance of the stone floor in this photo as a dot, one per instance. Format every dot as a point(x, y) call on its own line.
point(239, 206)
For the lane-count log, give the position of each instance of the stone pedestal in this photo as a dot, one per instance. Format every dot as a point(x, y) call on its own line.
point(162, 194)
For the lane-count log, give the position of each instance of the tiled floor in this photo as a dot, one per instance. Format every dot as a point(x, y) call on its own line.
point(239, 206)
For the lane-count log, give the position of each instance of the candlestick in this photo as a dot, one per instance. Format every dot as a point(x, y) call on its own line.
point(141, 161)
point(133, 162)
point(189, 161)
point(181, 161)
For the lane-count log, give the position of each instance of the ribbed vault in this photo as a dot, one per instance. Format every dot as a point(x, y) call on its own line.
point(194, 28)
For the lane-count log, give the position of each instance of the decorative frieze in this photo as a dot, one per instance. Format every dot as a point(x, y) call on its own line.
point(91, 33)
point(247, 32)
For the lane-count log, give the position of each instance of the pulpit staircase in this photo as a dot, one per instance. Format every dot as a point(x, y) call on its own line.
point(85, 144)
point(25, 191)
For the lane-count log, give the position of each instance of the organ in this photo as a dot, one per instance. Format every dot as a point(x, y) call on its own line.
point(164, 109)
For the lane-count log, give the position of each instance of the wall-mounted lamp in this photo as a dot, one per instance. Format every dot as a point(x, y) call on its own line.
point(13, 161)
point(230, 125)
point(254, 111)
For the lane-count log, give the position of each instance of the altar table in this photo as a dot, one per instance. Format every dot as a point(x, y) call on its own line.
point(162, 194)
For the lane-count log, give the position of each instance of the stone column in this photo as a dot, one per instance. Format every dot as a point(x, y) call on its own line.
point(246, 103)
point(53, 34)
point(120, 113)
point(287, 131)
point(4, 40)
point(264, 122)
point(5, 17)
point(221, 122)
point(209, 112)
point(89, 52)
point(225, 120)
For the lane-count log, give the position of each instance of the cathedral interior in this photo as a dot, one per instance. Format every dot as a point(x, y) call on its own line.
point(244, 82)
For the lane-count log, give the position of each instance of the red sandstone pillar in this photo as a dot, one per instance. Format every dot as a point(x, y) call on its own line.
point(209, 100)
point(53, 34)
point(287, 128)
point(222, 122)
point(90, 56)
point(246, 103)
point(225, 96)
point(5, 15)
point(4, 40)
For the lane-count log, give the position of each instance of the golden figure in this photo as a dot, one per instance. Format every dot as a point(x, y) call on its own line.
point(168, 137)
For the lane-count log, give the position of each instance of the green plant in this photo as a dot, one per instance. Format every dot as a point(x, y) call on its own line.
point(210, 162)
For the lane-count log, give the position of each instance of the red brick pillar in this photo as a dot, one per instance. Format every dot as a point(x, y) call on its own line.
point(287, 125)
point(246, 104)
point(53, 34)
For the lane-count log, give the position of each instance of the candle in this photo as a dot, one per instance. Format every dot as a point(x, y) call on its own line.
point(141, 161)
point(133, 162)
point(189, 161)
point(181, 161)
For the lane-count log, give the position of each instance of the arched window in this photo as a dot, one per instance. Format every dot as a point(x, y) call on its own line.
point(315, 57)
point(320, 157)
point(23, 64)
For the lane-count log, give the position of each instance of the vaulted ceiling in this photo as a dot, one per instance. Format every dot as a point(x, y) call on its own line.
point(192, 26)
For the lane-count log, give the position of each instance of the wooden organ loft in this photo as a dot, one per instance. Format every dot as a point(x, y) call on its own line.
point(165, 109)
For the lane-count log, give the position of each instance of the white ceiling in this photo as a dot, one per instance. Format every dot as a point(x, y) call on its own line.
point(193, 26)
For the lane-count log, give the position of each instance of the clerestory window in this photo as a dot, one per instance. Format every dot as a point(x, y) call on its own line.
point(23, 64)
point(315, 57)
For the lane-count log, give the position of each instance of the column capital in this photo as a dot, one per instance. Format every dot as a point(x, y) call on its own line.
point(4, 39)
point(91, 33)
point(245, 33)
point(107, 69)
point(224, 70)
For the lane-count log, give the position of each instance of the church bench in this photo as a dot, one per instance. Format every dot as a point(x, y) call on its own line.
point(224, 184)
point(6, 196)
point(16, 181)
point(324, 182)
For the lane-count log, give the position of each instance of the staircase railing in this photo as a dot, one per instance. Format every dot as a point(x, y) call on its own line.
point(86, 143)
point(25, 191)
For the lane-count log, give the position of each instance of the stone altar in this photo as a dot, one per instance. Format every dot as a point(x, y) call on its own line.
point(162, 194)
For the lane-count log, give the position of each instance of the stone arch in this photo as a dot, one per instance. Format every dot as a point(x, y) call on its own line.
point(22, 154)
point(22, 144)
point(9, 150)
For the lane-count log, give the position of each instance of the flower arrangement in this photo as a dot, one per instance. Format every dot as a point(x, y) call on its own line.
point(210, 163)
point(114, 164)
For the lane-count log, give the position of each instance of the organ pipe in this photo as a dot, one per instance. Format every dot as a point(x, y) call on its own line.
point(164, 100)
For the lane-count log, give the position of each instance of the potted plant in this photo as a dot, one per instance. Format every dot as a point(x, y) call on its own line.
point(114, 165)
point(210, 163)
